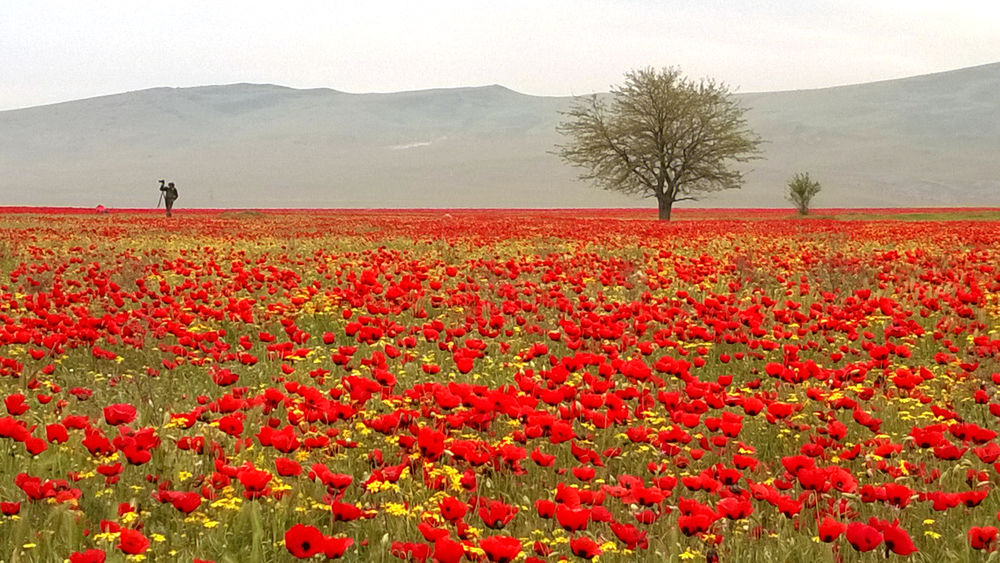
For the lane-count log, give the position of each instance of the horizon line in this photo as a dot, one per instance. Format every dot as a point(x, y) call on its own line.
point(476, 87)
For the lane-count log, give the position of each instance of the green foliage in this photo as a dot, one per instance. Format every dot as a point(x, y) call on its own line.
point(659, 135)
point(801, 191)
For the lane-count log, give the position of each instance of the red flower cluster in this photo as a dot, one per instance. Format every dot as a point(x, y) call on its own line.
point(578, 385)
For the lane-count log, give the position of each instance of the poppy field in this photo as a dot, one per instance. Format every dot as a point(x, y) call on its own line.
point(498, 386)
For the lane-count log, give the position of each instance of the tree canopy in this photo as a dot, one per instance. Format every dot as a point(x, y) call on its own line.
point(659, 135)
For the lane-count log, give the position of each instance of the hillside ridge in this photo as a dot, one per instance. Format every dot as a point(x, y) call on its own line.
point(923, 140)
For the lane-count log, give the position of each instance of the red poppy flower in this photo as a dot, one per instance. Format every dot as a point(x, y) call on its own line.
point(734, 508)
point(334, 548)
point(304, 541)
point(34, 445)
point(132, 542)
point(983, 537)
point(121, 413)
point(15, 404)
point(431, 443)
point(646, 516)
point(948, 451)
point(333, 481)
point(448, 551)
point(186, 502)
point(789, 506)
point(410, 551)
point(544, 460)
point(830, 529)
point(431, 533)
point(254, 482)
point(89, 556)
point(584, 547)
point(862, 536)
point(452, 509)
point(988, 453)
point(541, 549)
point(287, 467)
point(973, 498)
point(468, 480)
point(56, 433)
point(631, 536)
point(545, 508)
point(223, 377)
point(584, 473)
point(943, 501)
point(500, 549)
point(897, 540)
point(496, 514)
point(692, 524)
point(346, 512)
point(572, 519)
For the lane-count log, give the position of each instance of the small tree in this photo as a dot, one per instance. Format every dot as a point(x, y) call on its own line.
point(659, 135)
point(801, 190)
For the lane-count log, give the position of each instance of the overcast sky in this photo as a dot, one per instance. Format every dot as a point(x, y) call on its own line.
point(52, 51)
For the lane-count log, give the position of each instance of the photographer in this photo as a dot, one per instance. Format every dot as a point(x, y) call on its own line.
point(169, 194)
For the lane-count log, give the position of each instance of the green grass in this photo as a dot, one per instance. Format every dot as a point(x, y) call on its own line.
point(970, 215)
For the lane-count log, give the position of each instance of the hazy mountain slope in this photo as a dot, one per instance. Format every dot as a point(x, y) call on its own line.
point(251, 145)
point(926, 140)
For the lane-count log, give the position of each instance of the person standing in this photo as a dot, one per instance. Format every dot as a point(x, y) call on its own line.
point(169, 195)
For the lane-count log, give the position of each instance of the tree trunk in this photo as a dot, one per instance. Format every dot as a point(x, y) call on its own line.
point(665, 207)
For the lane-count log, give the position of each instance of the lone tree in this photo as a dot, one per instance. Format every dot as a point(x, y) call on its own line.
point(801, 190)
point(659, 135)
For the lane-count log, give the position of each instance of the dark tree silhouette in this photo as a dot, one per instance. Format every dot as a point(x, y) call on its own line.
point(659, 135)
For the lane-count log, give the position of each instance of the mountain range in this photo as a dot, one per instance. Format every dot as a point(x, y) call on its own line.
point(930, 140)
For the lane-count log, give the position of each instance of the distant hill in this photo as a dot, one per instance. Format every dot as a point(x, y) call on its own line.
point(930, 140)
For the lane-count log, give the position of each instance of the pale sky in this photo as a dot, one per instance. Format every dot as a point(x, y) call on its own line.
point(53, 51)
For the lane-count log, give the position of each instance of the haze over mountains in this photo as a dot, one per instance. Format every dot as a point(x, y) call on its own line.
point(929, 140)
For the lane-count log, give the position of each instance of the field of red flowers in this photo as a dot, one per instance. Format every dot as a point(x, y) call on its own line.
point(497, 386)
